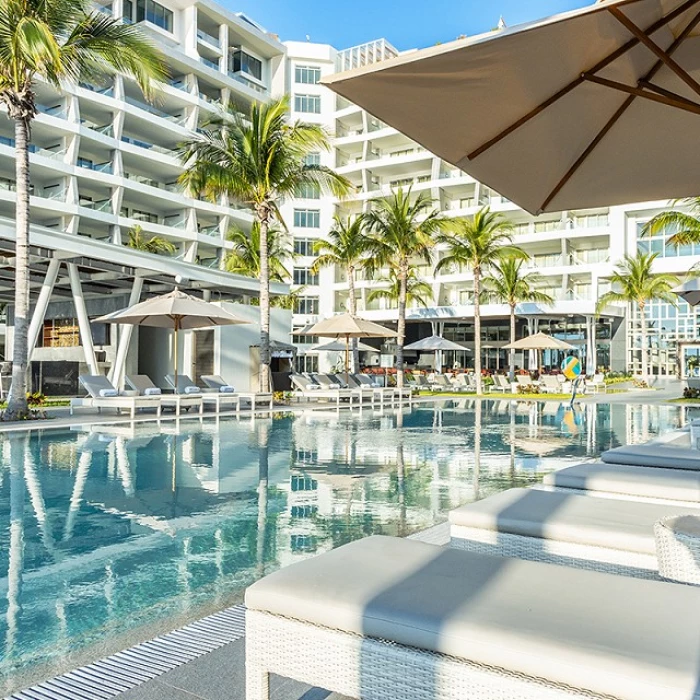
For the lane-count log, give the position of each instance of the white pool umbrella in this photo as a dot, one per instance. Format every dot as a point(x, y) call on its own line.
point(539, 341)
point(175, 310)
point(436, 344)
point(689, 291)
point(349, 326)
point(595, 107)
point(337, 346)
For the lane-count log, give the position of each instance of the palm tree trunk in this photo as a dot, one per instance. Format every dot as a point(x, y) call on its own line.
point(352, 308)
point(17, 399)
point(512, 340)
point(477, 331)
point(264, 302)
point(403, 281)
point(643, 336)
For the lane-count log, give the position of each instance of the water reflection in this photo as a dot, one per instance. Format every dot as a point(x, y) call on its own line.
point(116, 527)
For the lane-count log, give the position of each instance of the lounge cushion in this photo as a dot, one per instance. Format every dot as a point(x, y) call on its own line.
point(192, 390)
point(108, 393)
point(623, 637)
point(653, 455)
point(627, 480)
point(226, 389)
point(152, 391)
point(600, 522)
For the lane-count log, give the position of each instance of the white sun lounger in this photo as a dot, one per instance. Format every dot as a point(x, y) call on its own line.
point(654, 455)
point(396, 619)
point(216, 383)
point(144, 385)
point(310, 390)
point(680, 487)
point(561, 528)
point(217, 399)
point(103, 394)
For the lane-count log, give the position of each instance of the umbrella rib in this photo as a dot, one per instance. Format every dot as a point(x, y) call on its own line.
point(662, 22)
point(625, 106)
point(662, 55)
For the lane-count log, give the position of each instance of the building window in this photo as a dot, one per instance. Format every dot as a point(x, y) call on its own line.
point(303, 275)
point(312, 159)
point(306, 305)
point(306, 363)
point(155, 13)
point(307, 218)
point(591, 221)
point(305, 340)
point(546, 226)
point(242, 62)
point(61, 333)
point(307, 75)
point(304, 246)
point(309, 104)
point(309, 190)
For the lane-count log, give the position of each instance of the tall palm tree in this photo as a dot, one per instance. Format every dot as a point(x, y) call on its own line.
point(57, 41)
point(403, 230)
point(346, 245)
point(509, 284)
point(418, 291)
point(478, 243)
point(257, 159)
point(634, 282)
point(155, 244)
point(244, 259)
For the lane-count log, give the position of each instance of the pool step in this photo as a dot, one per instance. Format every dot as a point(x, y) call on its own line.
point(107, 678)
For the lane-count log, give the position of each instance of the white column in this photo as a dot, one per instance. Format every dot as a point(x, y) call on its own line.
point(83, 320)
point(116, 374)
point(42, 303)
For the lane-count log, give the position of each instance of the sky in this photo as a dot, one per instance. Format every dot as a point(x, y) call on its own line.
point(407, 24)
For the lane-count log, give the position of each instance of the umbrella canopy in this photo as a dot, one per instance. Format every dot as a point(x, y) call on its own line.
point(175, 310)
point(539, 341)
point(595, 107)
point(435, 343)
point(689, 291)
point(172, 310)
point(336, 346)
point(349, 326)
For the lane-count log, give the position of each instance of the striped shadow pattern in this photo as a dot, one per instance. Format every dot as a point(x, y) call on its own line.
point(107, 678)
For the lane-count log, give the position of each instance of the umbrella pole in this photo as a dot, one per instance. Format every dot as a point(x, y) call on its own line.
point(177, 327)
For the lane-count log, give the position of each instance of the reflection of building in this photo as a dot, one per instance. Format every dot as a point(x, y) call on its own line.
point(574, 251)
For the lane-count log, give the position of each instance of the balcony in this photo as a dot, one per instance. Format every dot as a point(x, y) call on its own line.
point(103, 205)
point(144, 180)
point(106, 167)
point(53, 111)
point(107, 91)
point(214, 65)
point(149, 146)
point(213, 230)
point(174, 118)
point(208, 39)
point(241, 77)
point(104, 129)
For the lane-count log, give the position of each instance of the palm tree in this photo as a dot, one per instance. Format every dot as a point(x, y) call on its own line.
point(634, 282)
point(418, 291)
point(403, 230)
point(56, 41)
point(478, 243)
point(686, 225)
point(257, 159)
point(509, 284)
point(244, 259)
point(346, 245)
point(154, 244)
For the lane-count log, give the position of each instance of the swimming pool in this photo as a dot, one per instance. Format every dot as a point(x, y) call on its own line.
point(112, 533)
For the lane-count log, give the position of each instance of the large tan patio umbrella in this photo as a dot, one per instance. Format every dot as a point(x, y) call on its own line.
point(348, 326)
point(595, 107)
point(537, 342)
point(175, 310)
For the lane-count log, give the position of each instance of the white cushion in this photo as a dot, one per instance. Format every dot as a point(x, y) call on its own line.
point(654, 455)
point(192, 390)
point(108, 393)
point(620, 637)
point(312, 387)
point(151, 391)
point(226, 389)
point(334, 386)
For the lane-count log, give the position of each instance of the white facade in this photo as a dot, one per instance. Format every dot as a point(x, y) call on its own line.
point(575, 252)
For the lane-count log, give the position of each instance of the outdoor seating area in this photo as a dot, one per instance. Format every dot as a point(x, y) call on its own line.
point(351, 389)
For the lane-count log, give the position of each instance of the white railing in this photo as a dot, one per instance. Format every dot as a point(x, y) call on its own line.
point(208, 38)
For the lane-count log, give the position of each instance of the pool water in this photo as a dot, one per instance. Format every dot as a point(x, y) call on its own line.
point(113, 528)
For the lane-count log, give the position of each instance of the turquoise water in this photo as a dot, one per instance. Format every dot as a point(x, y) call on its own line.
point(109, 530)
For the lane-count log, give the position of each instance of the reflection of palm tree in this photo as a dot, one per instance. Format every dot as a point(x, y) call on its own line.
point(477, 448)
point(263, 475)
point(18, 446)
point(401, 475)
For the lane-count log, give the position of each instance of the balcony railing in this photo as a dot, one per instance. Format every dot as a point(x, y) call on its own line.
point(239, 77)
point(208, 38)
point(52, 111)
point(210, 230)
point(175, 221)
point(107, 91)
point(176, 118)
point(105, 167)
point(148, 146)
point(210, 64)
point(104, 205)
point(104, 129)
